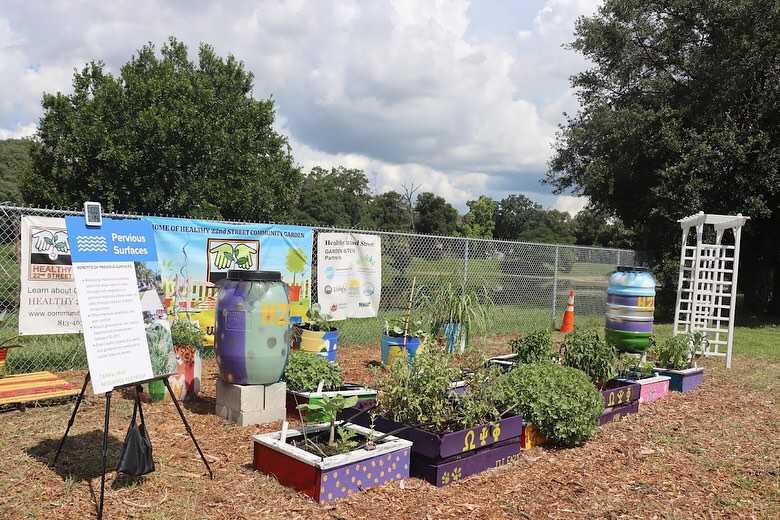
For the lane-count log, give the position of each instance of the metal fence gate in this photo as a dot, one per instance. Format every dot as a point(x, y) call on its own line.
point(528, 285)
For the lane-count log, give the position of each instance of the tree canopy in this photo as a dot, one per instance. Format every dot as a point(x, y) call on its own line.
point(164, 136)
point(680, 112)
point(339, 197)
point(14, 162)
point(434, 215)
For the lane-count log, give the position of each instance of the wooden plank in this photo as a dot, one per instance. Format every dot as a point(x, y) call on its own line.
point(33, 387)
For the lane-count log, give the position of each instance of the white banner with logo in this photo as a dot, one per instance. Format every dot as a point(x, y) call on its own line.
point(47, 299)
point(349, 274)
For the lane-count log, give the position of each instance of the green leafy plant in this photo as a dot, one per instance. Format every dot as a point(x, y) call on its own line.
point(318, 321)
point(186, 333)
point(534, 347)
point(422, 394)
point(329, 407)
point(399, 327)
point(304, 371)
point(458, 304)
point(584, 350)
point(675, 353)
point(561, 402)
point(631, 366)
point(158, 340)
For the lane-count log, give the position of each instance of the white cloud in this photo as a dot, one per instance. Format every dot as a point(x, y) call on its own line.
point(398, 88)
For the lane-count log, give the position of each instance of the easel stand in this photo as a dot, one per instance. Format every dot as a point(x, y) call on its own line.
point(104, 454)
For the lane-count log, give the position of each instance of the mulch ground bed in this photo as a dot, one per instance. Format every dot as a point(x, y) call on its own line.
point(710, 453)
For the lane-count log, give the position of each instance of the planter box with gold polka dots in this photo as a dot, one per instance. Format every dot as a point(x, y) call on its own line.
point(329, 478)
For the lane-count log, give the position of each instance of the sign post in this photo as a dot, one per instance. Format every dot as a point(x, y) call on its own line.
point(104, 252)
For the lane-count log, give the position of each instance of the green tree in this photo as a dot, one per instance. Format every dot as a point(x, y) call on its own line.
point(551, 227)
point(164, 136)
point(480, 220)
point(15, 162)
point(516, 214)
point(339, 197)
point(434, 215)
point(390, 212)
point(296, 262)
point(680, 113)
point(597, 228)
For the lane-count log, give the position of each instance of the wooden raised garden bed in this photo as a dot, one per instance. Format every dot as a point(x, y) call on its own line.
point(621, 398)
point(683, 380)
point(330, 478)
point(443, 459)
point(295, 398)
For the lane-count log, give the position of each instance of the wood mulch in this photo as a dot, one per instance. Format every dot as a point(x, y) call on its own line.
point(710, 453)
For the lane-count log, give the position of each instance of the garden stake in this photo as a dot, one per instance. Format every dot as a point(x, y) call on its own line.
point(409, 310)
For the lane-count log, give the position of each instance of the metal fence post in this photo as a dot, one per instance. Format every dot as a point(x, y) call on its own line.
point(555, 289)
point(466, 264)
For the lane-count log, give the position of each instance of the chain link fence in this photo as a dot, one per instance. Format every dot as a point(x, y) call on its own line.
point(526, 284)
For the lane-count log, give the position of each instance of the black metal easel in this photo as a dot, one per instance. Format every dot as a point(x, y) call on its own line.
point(137, 386)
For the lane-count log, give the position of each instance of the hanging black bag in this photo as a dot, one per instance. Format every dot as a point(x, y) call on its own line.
point(136, 457)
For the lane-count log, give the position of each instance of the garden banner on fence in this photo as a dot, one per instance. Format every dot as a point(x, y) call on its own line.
point(196, 254)
point(349, 274)
point(115, 270)
point(47, 300)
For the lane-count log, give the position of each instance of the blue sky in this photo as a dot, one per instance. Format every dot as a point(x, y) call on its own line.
point(461, 97)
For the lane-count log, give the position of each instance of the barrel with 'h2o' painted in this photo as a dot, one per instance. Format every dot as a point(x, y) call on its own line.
point(630, 307)
point(252, 337)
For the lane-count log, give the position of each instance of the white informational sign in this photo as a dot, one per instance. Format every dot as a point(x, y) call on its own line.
point(47, 300)
point(349, 274)
point(108, 293)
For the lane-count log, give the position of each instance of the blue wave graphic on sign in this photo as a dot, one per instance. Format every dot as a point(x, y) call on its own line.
point(91, 243)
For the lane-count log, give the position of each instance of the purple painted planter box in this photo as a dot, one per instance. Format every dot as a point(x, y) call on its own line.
point(616, 413)
point(620, 391)
point(683, 380)
point(438, 447)
point(448, 472)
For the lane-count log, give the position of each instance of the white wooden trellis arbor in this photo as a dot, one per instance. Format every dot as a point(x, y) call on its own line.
point(707, 285)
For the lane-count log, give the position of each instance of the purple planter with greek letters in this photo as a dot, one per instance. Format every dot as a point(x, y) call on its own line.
point(616, 413)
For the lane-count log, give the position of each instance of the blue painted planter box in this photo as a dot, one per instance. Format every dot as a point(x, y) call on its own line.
point(683, 380)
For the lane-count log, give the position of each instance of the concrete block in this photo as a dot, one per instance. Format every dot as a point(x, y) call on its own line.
point(242, 398)
point(276, 395)
point(247, 418)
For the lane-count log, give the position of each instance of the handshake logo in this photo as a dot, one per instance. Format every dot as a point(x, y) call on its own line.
point(233, 254)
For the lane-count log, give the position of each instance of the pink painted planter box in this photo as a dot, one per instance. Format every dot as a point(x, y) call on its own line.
point(653, 388)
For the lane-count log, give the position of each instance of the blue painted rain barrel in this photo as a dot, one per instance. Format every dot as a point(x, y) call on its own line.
point(630, 307)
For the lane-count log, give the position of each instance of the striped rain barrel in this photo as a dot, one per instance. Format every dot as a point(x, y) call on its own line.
point(630, 307)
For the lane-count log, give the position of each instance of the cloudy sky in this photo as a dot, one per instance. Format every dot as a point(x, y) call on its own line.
point(461, 97)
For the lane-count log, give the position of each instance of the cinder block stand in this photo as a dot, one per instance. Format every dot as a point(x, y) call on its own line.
point(251, 404)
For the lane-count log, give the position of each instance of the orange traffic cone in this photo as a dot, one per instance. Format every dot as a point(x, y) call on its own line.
point(568, 316)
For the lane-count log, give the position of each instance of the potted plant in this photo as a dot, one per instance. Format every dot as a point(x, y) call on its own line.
point(455, 313)
point(675, 358)
point(455, 434)
point(534, 347)
point(310, 378)
point(174, 350)
point(401, 335)
point(333, 460)
point(585, 351)
point(652, 385)
point(560, 402)
point(318, 335)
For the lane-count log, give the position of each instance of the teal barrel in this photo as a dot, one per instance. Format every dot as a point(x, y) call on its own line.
point(630, 307)
point(252, 327)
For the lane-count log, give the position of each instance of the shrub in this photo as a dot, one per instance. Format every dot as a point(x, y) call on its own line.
point(304, 372)
point(422, 394)
point(585, 351)
point(185, 332)
point(534, 347)
point(674, 353)
point(561, 402)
